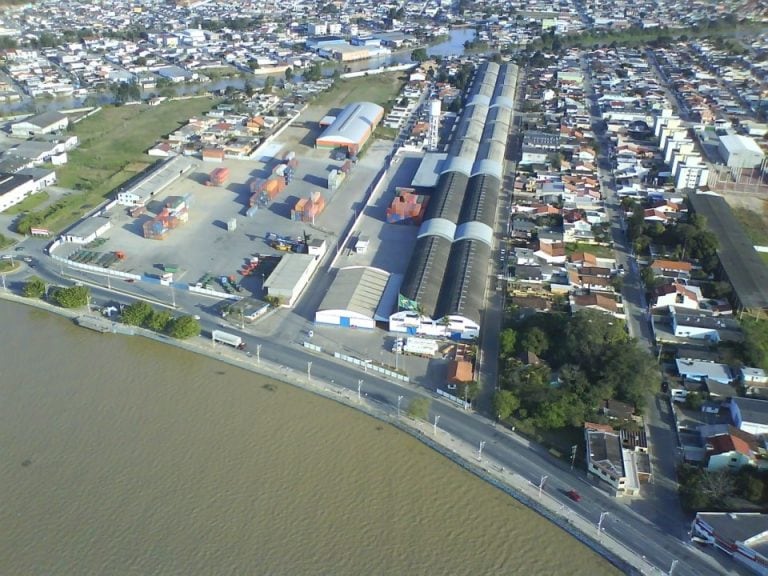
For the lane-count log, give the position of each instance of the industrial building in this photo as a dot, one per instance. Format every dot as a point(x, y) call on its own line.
point(159, 177)
point(289, 278)
point(740, 151)
point(354, 298)
point(14, 188)
point(444, 286)
point(87, 230)
point(352, 127)
point(45, 123)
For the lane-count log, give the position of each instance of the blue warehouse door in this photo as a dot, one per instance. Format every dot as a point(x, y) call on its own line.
point(344, 322)
point(411, 330)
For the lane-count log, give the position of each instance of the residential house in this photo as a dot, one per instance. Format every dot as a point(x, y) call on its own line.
point(600, 301)
point(734, 449)
point(700, 370)
point(671, 268)
point(677, 295)
point(703, 325)
point(754, 380)
point(749, 415)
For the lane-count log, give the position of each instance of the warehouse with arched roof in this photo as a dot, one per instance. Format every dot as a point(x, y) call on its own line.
point(353, 298)
point(443, 290)
point(352, 127)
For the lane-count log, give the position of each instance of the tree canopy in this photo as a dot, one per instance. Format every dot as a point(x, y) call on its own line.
point(72, 297)
point(34, 288)
point(419, 408)
point(184, 327)
point(137, 313)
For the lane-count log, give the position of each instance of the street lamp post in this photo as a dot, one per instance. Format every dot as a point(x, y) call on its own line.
point(3, 277)
point(480, 451)
point(541, 484)
point(359, 385)
point(399, 399)
point(258, 353)
point(573, 455)
point(434, 427)
point(600, 523)
point(309, 371)
point(672, 568)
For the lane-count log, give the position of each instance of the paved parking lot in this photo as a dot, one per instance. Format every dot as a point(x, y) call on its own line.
point(204, 246)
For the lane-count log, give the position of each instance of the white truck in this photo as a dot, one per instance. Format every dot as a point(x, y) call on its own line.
point(227, 338)
point(420, 347)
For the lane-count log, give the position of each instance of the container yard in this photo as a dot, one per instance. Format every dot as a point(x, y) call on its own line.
point(307, 209)
point(174, 213)
point(407, 207)
point(218, 177)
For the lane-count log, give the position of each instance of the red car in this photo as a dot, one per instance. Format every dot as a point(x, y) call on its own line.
point(573, 495)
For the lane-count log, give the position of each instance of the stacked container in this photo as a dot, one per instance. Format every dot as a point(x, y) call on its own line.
point(407, 207)
point(335, 178)
point(306, 209)
point(218, 177)
point(265, 191)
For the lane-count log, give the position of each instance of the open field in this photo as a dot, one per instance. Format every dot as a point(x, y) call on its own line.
point(754, 224)
point(377, 88)
point(112, 149)
point(29, 203)
point(599, 251)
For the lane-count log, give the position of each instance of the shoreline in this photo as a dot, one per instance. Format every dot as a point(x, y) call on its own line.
point(461, 455)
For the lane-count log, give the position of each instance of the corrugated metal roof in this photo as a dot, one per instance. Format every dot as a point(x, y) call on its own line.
point(438, 227)
point(463, 288)
point(474, 231)
point(426, 271)
point(357, 289)
point(353, 123)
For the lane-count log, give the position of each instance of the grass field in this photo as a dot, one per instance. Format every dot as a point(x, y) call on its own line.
point(754, 225)
point(376, 88)
point(764, 256)
point(29, 203)
point(599, 251)
point(113, 145)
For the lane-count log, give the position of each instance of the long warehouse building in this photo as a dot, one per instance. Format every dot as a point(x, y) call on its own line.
point(444, 287)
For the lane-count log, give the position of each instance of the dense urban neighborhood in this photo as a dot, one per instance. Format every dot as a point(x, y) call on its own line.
point(548, 225)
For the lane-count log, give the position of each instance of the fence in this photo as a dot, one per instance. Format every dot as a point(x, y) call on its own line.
point(91, 268)
point(454, 399)
point(368, 365)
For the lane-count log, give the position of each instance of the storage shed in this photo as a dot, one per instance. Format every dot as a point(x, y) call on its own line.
point(352, 127)
point(353, 298)
point(290, 277)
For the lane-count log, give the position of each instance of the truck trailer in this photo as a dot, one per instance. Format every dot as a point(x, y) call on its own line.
point(227, 338)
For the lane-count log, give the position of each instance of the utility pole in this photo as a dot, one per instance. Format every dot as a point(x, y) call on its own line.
point(573, 454)
point(359, 385)
point(600, 524)
point(434, 428)
point(309, 371)
point(258, 353)
point(399, 399)
point(480, 451)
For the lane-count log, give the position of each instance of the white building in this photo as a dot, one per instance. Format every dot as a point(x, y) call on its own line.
point(409, 322)
point(740, 535)
point(353, 298)
point(41, 124)
point(14, 188)
point(87, 230)
point(611, 462)
point(691, 175)
point(740, 151)
point(289, 278)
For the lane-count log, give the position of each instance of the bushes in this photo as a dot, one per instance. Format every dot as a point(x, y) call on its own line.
point(141, 314)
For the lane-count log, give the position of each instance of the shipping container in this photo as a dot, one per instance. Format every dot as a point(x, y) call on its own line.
point(231, 224)
point(346, 167)
point(288, 156)
point(273, 187)
point(293, 163)
point(256, 185)
point(254, 199)
point(218, 177)
point(137, 211)
point(251, 212)
point(335, 179)
point(279, 170)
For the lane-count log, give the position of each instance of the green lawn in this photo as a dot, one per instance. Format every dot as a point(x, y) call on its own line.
point(754, 225)
point(377, 88)
point(764, 256)
point(113, 145)
point(599, 251)
point(5, 241)
point(29, 203)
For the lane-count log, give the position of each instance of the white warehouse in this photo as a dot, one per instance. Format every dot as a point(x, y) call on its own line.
point(740, 151)
point(354, 298)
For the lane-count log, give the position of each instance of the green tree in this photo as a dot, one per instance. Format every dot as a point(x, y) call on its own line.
point(534, 340)
point(693, 401)
point(418, 408)
point(649, 278)
point(269, 84)
point(505, 403)
point(72, 297)
point(507, 342)
point(756, 342)
point(289, 74)
point(184, 327)
point(34, 288)
point(419, 55)
point(137, 313)
point(158, 321)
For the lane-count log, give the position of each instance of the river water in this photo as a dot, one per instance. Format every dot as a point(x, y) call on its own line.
point(121, 456)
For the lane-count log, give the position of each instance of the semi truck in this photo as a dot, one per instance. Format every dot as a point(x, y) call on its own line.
point(227, 338)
